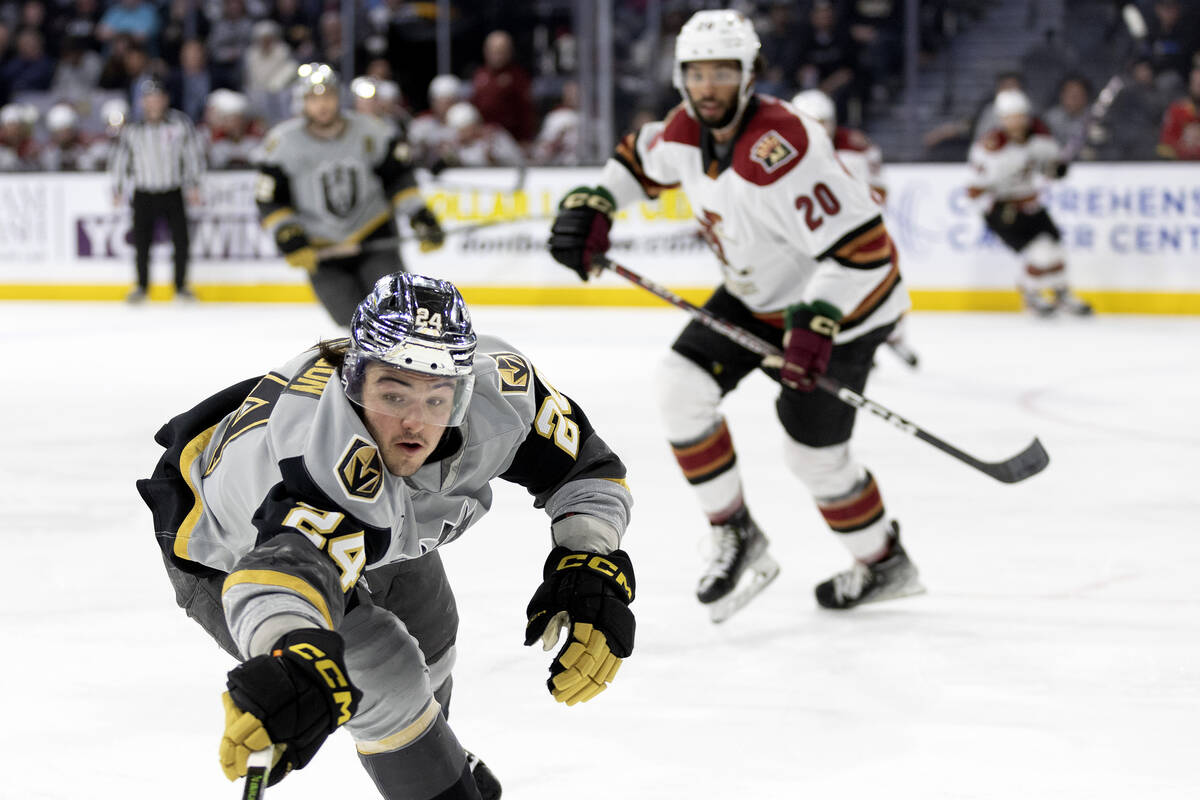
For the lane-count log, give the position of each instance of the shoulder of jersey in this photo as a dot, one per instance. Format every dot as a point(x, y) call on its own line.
point(850, 139)
point(281, 133)
point(773, 142)
point(994, 139)
point(678, 128)
point(1039, 128)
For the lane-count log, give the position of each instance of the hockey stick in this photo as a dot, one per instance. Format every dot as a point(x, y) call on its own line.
point(1029, 462)
point(1136, 26)
point(258, 770)
point(392, 242)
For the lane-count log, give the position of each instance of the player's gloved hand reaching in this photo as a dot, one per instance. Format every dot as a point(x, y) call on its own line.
point(588, 595)
point(297, 251)
point(808, 343)
point(580, 230)
point(294, 697)
point(427, 230)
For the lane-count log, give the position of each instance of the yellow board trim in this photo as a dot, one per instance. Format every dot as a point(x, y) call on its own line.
point(191, 451)
point(402, 737)
point(1105, 301)
point(269, 577)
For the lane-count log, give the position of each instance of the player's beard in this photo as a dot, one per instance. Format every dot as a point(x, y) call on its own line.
point(723, 121)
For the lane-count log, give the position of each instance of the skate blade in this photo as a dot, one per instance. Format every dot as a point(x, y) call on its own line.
point(758, 576)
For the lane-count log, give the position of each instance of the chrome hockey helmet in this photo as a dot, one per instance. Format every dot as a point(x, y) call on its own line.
point(717, 35)
point(419, 331)
point(314, 78)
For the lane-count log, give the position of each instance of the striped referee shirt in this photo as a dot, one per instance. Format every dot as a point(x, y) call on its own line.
point(157, 156)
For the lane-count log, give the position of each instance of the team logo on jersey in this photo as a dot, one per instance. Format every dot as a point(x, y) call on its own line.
point(360, 470)
point(513, 371)
point(339, 184)
point(772, 151)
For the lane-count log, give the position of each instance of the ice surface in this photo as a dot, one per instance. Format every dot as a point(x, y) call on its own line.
point(1056, 655)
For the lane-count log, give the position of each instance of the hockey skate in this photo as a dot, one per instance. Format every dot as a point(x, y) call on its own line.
point(1037, 303)
point(894, 576)
point(485, 781)
point(1065, 301)
point(740, 568)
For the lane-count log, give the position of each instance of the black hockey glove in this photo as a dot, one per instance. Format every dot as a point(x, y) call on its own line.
point(589, 595)
point(294, 697)
point(427, 230)
point(580, 230)
point(1057, 170)
point(297, 251)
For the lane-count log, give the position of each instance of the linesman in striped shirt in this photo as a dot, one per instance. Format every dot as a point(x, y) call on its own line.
point(154, 162)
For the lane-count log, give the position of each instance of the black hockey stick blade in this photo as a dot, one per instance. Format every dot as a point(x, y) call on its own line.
point(1027, 463)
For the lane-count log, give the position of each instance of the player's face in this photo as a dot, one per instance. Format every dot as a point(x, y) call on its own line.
point(713, 88)
point(321, 109)
point(417, 410)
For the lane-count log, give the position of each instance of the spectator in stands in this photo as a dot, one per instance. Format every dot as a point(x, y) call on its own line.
point(30, 70)
point(33, 18)
point(479, 143)
point(139, 70)
point(78, 72)
point(329, 37)
point(69, 149)
point(1180, 136)
point(112, 72)
point(18, 148)
point(828, 56)
point(78, 21)
point(190, 85)
point(781, 57)
point(557, 143)
point(429, 134)
point(228, 40)
point(185, 20)
point(297, 27)
point(500, 89)
point(877, 26)
point(1170, 42)
point(269, 70)
point(1067, 119)
point(231, 135)
point(137, 19)
point(1135, 115)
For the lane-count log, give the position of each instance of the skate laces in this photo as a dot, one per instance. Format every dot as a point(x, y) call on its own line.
point(850, 584)
point(724, 546)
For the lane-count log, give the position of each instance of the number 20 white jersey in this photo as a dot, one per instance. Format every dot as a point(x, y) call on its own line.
point(786, 221)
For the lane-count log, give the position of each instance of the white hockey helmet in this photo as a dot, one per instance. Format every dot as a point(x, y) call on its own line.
point(445, 87)
point(817, 105)
point(717, 35)
point(229, 102)
point(388, 91)
point(61, 118)
point(11, 114)
point(462, 115)
point(1011, 101)
point(364, 86)
point(413, 324)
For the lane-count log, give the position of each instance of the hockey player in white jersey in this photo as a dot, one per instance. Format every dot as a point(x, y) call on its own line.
point(860, 156)
point(1006, 165)
point(329, 185)
point(807, 264)
point(299, 515)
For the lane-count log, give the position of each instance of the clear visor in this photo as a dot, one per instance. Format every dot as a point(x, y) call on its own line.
point(417, 397)
point(709, 73)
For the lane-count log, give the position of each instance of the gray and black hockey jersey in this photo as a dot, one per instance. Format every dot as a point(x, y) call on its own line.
point(277, 483)
point(338, 190)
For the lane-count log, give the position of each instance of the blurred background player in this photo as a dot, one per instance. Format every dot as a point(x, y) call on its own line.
point(478, 143)
point(321, 528)
point(233, 135)
point(332, 180)
point(19, 148)
point(430, 135)
point(808, 265)
point(69, 148)
point(158, 159)
point(557, 142)
point(1007, 163)
point(862, 158)
point(379, 98)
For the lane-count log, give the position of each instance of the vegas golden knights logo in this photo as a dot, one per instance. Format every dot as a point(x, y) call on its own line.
point(513, 371)
point(771, 151)
point(360, 472)
point(339, 184)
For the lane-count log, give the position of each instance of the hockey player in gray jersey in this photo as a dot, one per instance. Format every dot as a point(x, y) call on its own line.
point(299, 514)
point(329, 185)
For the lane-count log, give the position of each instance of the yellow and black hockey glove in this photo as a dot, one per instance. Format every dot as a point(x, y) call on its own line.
point(293, 698)
point(589, 595)
point(293, 242)
point(427, 230)
point(581, 228)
